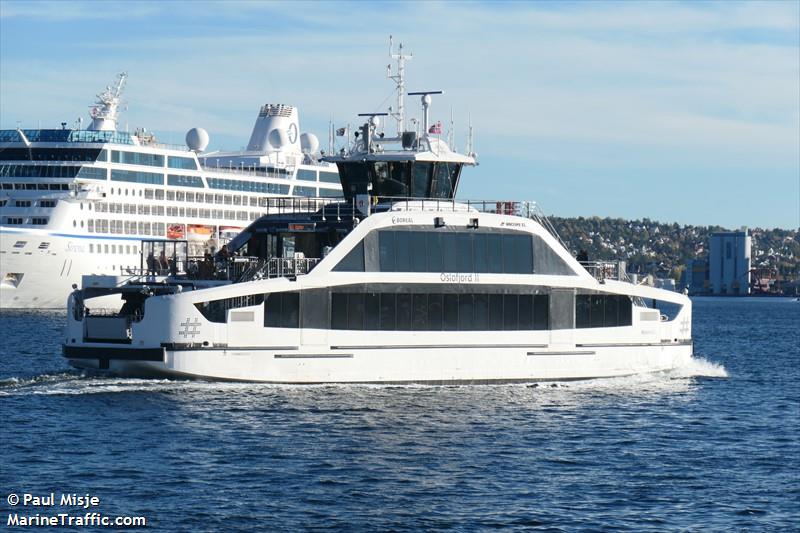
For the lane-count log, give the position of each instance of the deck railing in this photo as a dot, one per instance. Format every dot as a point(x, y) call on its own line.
point(242, 269)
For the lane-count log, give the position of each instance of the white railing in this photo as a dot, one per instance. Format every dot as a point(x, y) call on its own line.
point(249, 268)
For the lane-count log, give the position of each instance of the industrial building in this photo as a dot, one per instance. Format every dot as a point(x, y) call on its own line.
point(729, 262)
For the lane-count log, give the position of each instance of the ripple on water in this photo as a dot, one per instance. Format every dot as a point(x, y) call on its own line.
point(710, 447)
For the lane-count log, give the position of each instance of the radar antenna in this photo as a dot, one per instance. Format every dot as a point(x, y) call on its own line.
point(104, 110)
point(400, 80)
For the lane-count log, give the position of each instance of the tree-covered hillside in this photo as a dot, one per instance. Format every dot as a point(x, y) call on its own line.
point(663, 249)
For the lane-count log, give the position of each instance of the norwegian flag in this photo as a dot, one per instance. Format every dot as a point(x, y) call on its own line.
point(436, 129)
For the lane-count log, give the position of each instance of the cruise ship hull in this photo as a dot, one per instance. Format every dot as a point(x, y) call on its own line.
point(40, 273)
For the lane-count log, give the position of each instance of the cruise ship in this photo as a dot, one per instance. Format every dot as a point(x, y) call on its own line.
point(79, 201)
point(398, 283)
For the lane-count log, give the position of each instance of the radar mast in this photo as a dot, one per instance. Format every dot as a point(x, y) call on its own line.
point(104, 110)
point(400, 80)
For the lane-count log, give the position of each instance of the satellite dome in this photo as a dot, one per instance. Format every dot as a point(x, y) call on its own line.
point(278, 138)
point(309, 143)
point(197, 139)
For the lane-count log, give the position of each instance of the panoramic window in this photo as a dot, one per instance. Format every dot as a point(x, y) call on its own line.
point(448, 251)
point(439, 312)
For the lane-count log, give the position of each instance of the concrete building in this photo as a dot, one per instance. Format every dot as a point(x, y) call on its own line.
point(729, 262)
point(695, 277)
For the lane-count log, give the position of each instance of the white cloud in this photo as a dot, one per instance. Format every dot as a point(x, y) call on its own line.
point(712, 80)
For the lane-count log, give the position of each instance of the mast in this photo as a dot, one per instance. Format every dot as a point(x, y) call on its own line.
point(400, 80)
point(104, 110)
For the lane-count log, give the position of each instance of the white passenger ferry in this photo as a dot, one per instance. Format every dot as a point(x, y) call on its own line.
point(399, 283)
point(79, 201)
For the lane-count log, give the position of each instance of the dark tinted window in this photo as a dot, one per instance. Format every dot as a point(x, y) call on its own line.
point(481, 312)
point(418, 251)
point(404, 302)
point(448, 251)
point(541, 311)
point(434, 251)
point(353, 261)
point(495, 251)
point(510, 311)
point(464, 252)
point(282, 310)
point(435, 312)
point(495, 311)
point(372, 308)
point(450, 308)
point(465, 309)
point(525, 311)
point(355, 311)
point(49, 154)
point(386, 250)
point(602, 310)
point(402, 251)
point(338, 311)
point(419, 313)
point(421, 179)
point(610, 312)
point(596, 320)
point(480, 252)
point(582, 311)
point(388, 312)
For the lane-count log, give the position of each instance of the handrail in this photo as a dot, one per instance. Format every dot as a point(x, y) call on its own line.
point(526, 209)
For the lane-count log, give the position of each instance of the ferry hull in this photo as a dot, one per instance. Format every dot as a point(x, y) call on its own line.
point(382, 365)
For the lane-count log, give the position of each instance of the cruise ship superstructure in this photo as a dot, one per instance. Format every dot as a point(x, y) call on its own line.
point(79, 201)
point(398, 283)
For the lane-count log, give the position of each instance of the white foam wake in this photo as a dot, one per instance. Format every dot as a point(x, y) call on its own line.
point(698, 367)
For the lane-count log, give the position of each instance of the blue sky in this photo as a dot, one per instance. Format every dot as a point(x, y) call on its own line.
point(681, 112)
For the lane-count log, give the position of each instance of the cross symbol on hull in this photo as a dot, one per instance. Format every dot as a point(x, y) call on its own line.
point(190, 328)
point(685, 325)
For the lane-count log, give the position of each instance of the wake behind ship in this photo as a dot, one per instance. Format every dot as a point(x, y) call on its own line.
point(79, 201)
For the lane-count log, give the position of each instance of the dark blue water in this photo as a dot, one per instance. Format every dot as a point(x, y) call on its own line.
point(714, 447)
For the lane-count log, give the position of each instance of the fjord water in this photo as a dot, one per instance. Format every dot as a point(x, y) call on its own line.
point(712, 447)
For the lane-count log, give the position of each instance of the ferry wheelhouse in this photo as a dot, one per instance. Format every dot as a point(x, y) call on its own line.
point(398, 283)
point(78, 201)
